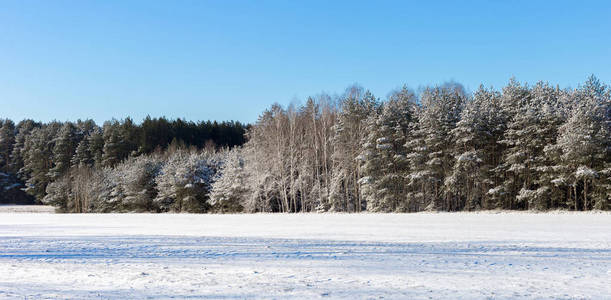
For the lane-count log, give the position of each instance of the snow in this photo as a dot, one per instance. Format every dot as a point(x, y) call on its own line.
point(16, 208)
point(585, 172)
point(441, 255)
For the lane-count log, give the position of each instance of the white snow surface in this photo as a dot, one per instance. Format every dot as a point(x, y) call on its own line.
point(557, 255)
point(17, 208)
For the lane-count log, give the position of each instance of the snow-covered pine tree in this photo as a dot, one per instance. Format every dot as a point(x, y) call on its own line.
point(514, 98)
point(184, 182)
point(370, 164)
point(7, 140)
point(16, 160)
point(105, 190)
point(475, 138)
point(112, 151)
point(37, 155)
point(63, 150)
point(82, 157)
point(83, 128)
point(584, 142)
point(440, 114)
point(543, 192)
point(417, 174)
point(230, 191)
point(383, 156)
point(138, 187)
point(58, 194)
point(96, 146)
point(130, 135)
point(532, 128)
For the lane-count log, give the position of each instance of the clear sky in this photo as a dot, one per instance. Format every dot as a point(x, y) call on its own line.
point(229, 60)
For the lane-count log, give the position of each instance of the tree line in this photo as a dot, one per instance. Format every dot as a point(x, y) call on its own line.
point(522, 147)
point(36, 157)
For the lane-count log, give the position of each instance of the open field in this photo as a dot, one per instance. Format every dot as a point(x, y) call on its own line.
point(469, 255)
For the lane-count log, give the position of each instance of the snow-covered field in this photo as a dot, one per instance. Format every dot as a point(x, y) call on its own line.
point(396, 256)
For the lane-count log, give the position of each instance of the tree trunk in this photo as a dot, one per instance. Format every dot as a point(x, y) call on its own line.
point(575, 194)
point(585, 195)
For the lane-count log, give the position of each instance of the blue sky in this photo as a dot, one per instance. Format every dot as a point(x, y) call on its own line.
point(229, 60)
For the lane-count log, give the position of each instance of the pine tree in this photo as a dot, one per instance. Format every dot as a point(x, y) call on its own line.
point(112, 151)
point(96, 146)
point(230, 190)
point(7, 140)
point(184, 182)
point(37, 154)
point(417, 175)
point(440, 114)
point(137, 184)
point(532, 128)
point(476, 135)
point(514, 98)
point(57, 194)
point(16, 160)
point(130, 135)
point(384, 161)
point(63, 150)
point(82, 157)
point(371, 165)
point(584, 141)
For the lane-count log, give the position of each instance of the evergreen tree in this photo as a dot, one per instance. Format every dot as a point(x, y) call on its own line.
point(476, 136)
point(63, 150)
point(7, 140)
point(533, 148)
point(184, 182)
point(129, 134)
point(514, 98)
point(532, 128)
point(37, 154)
point(57, 194)
point(384, 161)
point(440, 114)
point(584, 141)
point(95, 140)
point(230, 190)
point(137, 182)
point(112, 151)
point(418, 185)
point(23, 130)
point(82, 155)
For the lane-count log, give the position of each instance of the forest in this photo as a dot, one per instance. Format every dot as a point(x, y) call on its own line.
point(74, 165)
point(524, 147)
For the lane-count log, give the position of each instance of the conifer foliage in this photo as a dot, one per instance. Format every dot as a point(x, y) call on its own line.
point(525, 147)
point(82, 167)
point(522, 147)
